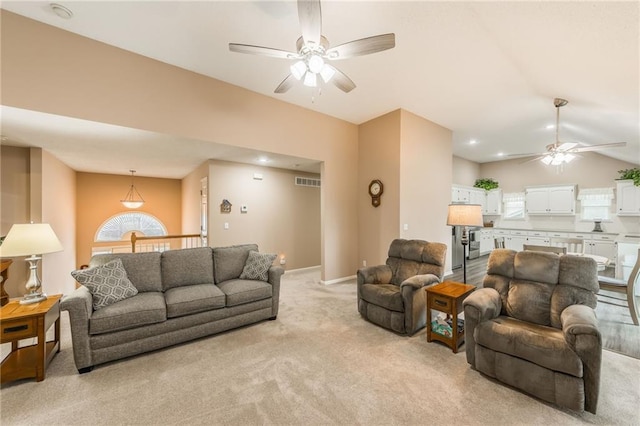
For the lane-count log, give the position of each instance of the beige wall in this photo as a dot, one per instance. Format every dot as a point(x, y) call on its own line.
point(99, 198)
point(425, 179)
point(412, 157)
point(281, 217)
point(50, 70)
point(191, 199)
point(465, 172)
point(378, 158)
point(14, 206)
point(59, 210)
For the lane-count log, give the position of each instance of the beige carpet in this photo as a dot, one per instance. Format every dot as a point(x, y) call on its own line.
point(318, 363)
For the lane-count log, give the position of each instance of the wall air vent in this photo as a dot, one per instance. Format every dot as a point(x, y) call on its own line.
point(303, 181)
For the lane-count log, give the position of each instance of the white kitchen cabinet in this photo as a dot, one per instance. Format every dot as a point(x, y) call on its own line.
point(537, 238)
point(627, 198)
point(469, 195)
point(486, 241)
point(460, 195)
point(494, 202)
point(516, 240)
point(602, 245)
point(478, 196)
point(551, 200)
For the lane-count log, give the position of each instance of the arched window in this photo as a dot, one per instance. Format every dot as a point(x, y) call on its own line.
point(120, 227)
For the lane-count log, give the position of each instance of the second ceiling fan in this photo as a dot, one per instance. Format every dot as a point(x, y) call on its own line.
point(314, 52)
point(563, 152)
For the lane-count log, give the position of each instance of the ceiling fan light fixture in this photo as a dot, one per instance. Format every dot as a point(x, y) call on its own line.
point(316, 63)
point(310, 80)
point(567, 146)
point(547, 159)
point(327, 73)
point(298, 69)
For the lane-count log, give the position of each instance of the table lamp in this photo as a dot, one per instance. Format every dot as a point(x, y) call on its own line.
point(33, 240)
point(464, 215)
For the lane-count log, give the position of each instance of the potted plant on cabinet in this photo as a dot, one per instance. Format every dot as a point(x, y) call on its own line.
point(632, 174)
point(486, 184)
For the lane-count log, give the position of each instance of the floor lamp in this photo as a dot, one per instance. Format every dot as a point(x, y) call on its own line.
point(33, 240)
point(464, 215)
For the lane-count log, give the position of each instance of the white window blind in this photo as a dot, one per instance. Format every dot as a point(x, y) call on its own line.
point(595, 203)
point(513, 205)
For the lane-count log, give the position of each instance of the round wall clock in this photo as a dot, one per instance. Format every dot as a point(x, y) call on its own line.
point(375, 190)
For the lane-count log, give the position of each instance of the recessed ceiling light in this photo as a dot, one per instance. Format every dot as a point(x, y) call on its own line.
point(473, 142)
point(263, 159)
point(501, 154)
point(61, 11)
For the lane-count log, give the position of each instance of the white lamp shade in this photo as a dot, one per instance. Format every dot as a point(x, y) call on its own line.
point(464, 215)
point(27, 239)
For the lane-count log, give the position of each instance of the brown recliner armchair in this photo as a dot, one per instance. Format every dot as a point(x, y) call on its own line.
point(392, 295)
point(533, 326)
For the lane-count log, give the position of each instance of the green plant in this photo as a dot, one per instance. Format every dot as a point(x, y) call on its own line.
point(633, 174)
point(487, 184)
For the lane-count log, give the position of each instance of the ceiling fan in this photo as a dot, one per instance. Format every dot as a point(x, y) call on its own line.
point(313, 51)
point(563, 152)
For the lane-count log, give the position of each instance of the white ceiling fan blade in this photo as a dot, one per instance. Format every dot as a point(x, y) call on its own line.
point(286, 84)
point(528, 154)
point(363, 46)
point(310, 21)
point(263, 51)
point(341, 81)
point(598, 147)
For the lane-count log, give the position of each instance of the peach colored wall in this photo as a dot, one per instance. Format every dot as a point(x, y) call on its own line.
point(59, 210)
point(14, 206)
point(425, 179)
point(134, 91)
point(378, 158)
point(99, 198)
point(281, 217)
point(465, 172)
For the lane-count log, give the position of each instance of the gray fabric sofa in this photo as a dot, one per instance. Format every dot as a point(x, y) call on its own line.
point(533, 326)
point(182, 295)
point(392, 295)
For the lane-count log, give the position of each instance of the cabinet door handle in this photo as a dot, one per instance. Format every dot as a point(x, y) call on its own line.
point(16, 328)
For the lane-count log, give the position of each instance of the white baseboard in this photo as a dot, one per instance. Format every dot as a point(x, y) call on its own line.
point(307, 269)
point(338, 280)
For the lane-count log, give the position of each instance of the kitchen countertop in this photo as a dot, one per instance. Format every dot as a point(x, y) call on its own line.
point(549, 230)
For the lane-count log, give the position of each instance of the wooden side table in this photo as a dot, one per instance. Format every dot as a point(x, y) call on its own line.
point(447, 297)
point(19, 322)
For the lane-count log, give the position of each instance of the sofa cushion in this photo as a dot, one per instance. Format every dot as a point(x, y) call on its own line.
point(187, 267)
point(257, 266)
point(229, 261)
point(107, 284)
point(143, 269)
point(541, 345)
point(239, 291)
point(386, 295)
point(193, 298)
point(530, 301)
point(141, 309)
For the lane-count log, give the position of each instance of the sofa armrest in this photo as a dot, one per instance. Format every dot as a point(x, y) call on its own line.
point(482, 305)
point(79, 306)
point(275, 274)
point(380, 274)
point(580, 329)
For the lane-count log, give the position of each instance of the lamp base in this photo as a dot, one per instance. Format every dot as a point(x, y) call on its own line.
point(33, 298)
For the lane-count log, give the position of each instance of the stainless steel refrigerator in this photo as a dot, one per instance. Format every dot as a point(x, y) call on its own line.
point(457, 249)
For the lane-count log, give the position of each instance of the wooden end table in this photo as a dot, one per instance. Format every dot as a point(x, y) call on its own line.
point(447, 297)
point(19, 322)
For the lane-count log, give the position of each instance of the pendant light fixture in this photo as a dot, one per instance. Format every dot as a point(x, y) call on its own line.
point(133, 199)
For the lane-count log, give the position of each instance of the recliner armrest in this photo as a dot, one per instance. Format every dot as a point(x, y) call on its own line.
point(580, 329)
point(484, 304)
point(577, 321)
point(380, 274)
point(419, 281)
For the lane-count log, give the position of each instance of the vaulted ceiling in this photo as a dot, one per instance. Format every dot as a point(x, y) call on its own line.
point(489, 71)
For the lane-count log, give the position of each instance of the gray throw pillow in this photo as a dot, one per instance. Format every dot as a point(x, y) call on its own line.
point(107, 284)
point(257, 266)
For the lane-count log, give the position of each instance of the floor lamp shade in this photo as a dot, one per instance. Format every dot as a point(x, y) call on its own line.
point(31, 239)
point(464, 215)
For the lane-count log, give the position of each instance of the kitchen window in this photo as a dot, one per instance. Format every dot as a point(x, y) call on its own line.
point(595, 203)
point(513, 205)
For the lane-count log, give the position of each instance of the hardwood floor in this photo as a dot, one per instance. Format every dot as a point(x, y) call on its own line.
point(619, 334)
